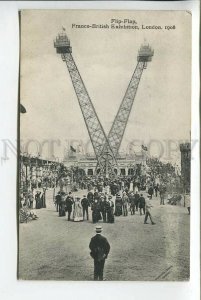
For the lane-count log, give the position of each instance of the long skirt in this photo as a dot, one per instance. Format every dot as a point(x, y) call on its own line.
point(110, 216)
point(96, 215)
point(77, 214)
point(38, 203)
point(62, 211)
point(118, 210)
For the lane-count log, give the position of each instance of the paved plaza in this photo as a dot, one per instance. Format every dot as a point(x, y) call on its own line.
point(51, 248)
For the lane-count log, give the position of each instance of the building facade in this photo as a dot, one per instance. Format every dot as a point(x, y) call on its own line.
point(88, 164)
point(37, 172)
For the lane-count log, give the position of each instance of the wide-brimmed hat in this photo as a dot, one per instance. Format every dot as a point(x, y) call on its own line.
point(99, 229)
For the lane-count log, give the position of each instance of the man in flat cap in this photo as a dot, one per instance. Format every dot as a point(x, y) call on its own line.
point(100, 249)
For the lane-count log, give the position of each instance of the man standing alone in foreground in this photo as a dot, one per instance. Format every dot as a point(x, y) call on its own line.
point(100, 249)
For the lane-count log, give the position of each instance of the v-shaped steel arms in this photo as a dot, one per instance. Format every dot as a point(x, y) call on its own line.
point(105, 148)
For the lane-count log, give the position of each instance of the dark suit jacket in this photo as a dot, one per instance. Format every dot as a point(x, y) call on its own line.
point(58, 199)
point(99, 247)
point(85, 203)
point(69, 203)
point(141, 202)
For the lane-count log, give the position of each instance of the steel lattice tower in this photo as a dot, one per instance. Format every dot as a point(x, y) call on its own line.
point(107, 161)
point(117, 130)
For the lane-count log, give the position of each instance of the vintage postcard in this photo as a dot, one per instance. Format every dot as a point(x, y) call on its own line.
point(104, 161)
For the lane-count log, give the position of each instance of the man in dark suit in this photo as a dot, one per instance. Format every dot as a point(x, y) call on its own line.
point(142, 204)
point(69, 204)
point(58, 201)
point(85, 205)
point(150, 191)
point(100, 249)
point(103, 207)
point(136, 197)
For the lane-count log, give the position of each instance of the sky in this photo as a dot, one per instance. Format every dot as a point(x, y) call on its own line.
point(106, 59)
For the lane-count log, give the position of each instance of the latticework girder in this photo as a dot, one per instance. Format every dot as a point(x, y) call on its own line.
point(106, 162)
point(119, 125)
point(117, 130)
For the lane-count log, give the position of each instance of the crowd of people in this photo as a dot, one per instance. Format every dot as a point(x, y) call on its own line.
point(77, 209)
point(103, 204)
point(108, 198)
point(29, 201)
point(33, 199)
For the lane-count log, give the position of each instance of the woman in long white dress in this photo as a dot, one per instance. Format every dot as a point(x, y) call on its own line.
point(77, 214)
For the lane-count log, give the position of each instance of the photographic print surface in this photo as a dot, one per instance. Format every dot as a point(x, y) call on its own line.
point(104, 162)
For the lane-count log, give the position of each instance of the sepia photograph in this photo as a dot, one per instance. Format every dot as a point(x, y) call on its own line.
point(104, 156)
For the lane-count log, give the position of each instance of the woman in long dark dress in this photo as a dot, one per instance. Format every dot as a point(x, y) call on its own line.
point(62, 207)
point(38, 200)
point(110, 210)
point(118, 205)
point(96, 216)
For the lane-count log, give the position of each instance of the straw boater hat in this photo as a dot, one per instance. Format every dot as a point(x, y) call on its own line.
point(99, 229)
